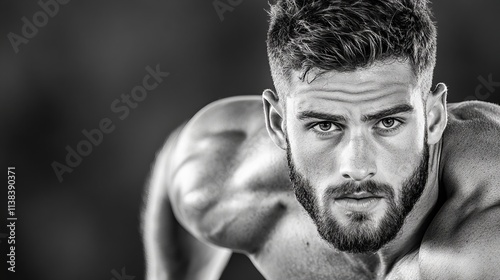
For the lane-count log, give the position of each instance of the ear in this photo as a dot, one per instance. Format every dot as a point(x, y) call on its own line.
point(437, 115)
point(275, 118)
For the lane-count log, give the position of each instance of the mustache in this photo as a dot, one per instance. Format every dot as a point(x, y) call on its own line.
point(348, 188)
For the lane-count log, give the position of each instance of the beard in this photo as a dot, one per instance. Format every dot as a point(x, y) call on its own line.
point(361, 235)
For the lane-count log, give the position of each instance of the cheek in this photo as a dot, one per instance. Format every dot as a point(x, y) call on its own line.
point(400, 165)
point(312, 158)
point(399, 160)
point(312, 161)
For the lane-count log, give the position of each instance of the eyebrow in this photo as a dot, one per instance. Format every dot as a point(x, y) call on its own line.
point(402, 108)
point(317, 115)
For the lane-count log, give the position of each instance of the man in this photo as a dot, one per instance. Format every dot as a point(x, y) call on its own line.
point(356, 169)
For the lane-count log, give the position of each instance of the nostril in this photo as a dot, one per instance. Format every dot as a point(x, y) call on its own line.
point(358, 176)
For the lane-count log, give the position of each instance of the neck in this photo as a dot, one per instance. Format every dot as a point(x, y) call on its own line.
point(409, 238)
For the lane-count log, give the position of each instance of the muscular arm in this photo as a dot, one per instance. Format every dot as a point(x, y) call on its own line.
point(172, 252)
point(224, 181)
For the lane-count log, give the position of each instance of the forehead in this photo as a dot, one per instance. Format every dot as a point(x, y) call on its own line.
point(381, 83)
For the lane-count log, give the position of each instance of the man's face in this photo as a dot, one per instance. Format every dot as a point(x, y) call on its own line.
point(357, 152)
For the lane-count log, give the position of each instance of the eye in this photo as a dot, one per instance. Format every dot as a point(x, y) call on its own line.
point(325, 127)
point(388, 124)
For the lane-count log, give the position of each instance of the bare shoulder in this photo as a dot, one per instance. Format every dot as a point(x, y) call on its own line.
point(209, 141)
point(469, 121)
point(225, 174)
point(234, 114)
point(463, 240)
point(218, 140)
point(471, 148)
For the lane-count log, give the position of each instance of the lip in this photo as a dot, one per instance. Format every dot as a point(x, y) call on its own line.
point(358, 195)
point(358, 204)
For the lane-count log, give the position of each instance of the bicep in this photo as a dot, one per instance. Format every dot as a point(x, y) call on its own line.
point(171, 251)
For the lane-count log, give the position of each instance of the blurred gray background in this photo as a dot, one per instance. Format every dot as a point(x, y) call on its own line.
point(64, 79)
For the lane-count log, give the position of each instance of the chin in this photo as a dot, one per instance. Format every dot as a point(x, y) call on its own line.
point(359, 232)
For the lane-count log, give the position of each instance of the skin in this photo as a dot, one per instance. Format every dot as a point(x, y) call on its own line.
point(224, 177)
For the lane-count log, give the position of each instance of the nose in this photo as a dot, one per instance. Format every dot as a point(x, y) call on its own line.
point(357, 161)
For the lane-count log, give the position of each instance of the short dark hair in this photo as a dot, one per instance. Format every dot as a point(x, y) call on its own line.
point(346, 35)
